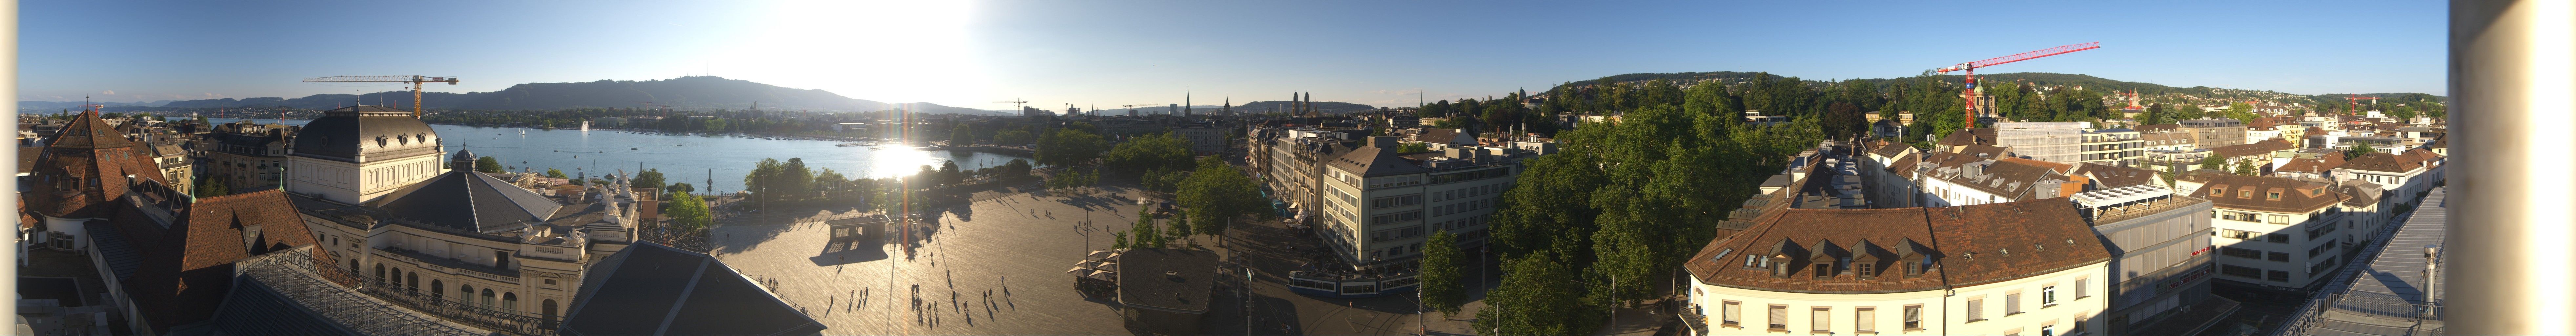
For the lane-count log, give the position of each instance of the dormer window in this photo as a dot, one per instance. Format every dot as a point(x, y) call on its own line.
point(2217, 191)
point(2273, 195)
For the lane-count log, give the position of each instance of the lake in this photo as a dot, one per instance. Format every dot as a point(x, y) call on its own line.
point(684, 158)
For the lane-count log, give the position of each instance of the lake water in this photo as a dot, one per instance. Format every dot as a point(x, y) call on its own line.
point(683, 158)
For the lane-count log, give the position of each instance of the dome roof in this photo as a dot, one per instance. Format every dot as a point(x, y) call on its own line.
point(366, 133)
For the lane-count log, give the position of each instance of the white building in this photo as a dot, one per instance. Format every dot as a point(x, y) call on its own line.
point(1987, 181)
point(355, 154)
point(1379, 207)
point(2275, 231)
point(2060, 142)
point(1877, 271)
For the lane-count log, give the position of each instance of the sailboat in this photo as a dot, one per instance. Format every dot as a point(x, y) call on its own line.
point(523, 132)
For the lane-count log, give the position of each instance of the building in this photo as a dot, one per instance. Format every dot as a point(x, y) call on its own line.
point(632, 293)
point(358, 153)
point(2061, 142)
point(2260, 154)
point(246, 156)
point(1960, 139)
point(1166, 291)
point(2160, 250)
point(2214, 132)
point(1378, 206)
point(84, 172)
point(1293, 168)
point(2272, 231)
point(1835, 271)
point(2117, 147)
point(1205, 138)
point(463, 239)
point(2099, 177)
point(2321, 167)
point(1989, 181)
point(175, 165)
point(2405, 175)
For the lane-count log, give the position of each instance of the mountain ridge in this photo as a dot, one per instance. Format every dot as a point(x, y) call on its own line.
point(690, 92)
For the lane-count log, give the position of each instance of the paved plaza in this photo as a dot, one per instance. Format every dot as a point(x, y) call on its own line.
point(996, 266)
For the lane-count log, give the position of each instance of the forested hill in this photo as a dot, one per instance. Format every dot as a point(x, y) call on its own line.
point(2197, 94)
point(693, 92)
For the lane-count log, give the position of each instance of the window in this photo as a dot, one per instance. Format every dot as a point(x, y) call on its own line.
point(1865, 270)
point(2047, 296)
point(2279, 256)
point(1733, 314)
point(1913, 317)
point(2048, 330)
point(1821, 319)
point(2079, 288)
point(2278, 219)
point(2012, 304)
point(2242, 271)
point(2239, 234)
point(2273, 195)
point(2281, 276)
point(2278, 238)
point(1779, 318)
point(2217, 191)
point(1976, 309)
point(2241, 253)
point(1865, 319)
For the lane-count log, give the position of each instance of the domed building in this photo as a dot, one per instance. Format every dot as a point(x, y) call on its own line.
point(355, 154)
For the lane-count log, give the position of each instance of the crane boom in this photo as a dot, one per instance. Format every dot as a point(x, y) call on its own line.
point(414, 80)
point(1970, 93)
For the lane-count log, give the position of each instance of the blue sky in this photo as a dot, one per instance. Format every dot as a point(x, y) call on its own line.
point(1147, 52)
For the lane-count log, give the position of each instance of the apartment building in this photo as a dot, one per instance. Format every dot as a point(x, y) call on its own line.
point(2274, 231)
point(2159, 243)
point(2117, 147)
point(1883, 272)
point(2061, 142)
point(1379, 207)
point(2214, 132)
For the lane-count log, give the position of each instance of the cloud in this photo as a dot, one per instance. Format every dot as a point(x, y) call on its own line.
point(108, 92)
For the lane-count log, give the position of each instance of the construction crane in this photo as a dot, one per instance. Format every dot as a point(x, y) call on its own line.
point(1015, 103)
point(1971, 69)
point(1131, 108)
point(414, 80)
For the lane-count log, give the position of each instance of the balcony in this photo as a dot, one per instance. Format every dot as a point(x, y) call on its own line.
point(442, 261)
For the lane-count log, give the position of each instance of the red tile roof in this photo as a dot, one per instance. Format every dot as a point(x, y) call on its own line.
point(2254, 193)
point(187, 266)
point(2048, 236)
point(85, 168)
point(2320, 164)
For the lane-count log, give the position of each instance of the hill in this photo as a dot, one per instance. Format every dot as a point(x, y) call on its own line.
point(1268, 106)
point(693, 92)
point(2088, 82)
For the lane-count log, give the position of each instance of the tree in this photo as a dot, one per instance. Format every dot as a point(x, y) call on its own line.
point(649, 178)
point(1180, 224)
point(1413, 147)
point(1535, 298)
point(2245, 167)
point(1217, 193)
point(213, 187)
point(1442, 281)
point(1013, 137)
point(680, 188)
point(1145, 232)
point(1069, 148)
point(2356, 150)
point(948, 174)
point(962, 136)
point(687, 211)
point(556, 173)
point(2213, 162)
point(1016, 168)
point(1151, 152)
point(489, 165)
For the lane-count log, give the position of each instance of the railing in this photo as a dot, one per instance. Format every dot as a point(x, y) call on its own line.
point(453, 311)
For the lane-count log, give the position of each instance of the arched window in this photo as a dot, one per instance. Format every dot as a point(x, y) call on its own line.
point(380, 272)
point(487, 298)
point(437, 289)
point(353, 266)
point(412, 282)
point(467, 291)
point(395, 275)
point(510, 302)
point(549, 307)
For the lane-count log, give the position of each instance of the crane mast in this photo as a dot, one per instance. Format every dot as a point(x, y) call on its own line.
point(1971, 69)
point(414, 80)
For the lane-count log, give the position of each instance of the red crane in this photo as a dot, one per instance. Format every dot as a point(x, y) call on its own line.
point(2352, 102)
point(1971, 69)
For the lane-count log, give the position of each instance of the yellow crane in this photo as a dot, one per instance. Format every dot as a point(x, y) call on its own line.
point(414, 80)
point(1015, 103)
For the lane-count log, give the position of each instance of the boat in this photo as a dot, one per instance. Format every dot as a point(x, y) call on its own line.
point(853, 144)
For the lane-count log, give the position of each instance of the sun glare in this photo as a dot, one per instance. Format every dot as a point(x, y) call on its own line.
point(892, 51)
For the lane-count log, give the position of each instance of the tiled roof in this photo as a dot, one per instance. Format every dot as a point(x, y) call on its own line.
point(187, 266)
point(1892, 149)
point(1974, 136)
point(371, 133)
point(651, 289)
point(82, 172)
point(1985, 151)
point(469, 201)
point(2048, 235)
point(2116, 176)
point(2320, 164)
point(2383, 162)
point(1371, 161)
point(2011, 180)
point(2254, 193)
point(2060, 168)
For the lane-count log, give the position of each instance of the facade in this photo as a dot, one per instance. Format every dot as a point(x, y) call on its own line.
point(1878, 271)
point(1293, 167)
point(175, 165)
point(1988, 181)
point(355, 154)
point(1378, 207)
point(1204, 138)
point(244, 155)
point(467, 239)
point(2214, 132)
point(2262, 154)
point(2159, 242)
point(2272, 231)
point(2061, 142)
point(2117, 147)
point(2405, 174)
point(83, 172)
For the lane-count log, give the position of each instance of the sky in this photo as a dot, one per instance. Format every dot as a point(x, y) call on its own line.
point(1094, 53)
